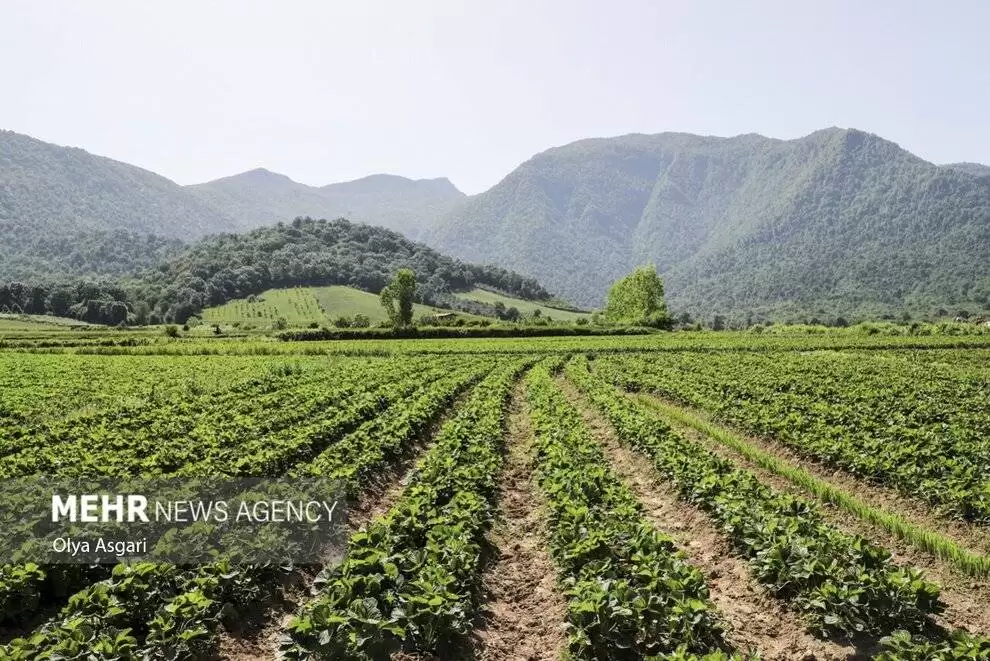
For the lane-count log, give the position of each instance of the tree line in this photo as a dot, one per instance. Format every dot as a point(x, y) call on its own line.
point(225, 267)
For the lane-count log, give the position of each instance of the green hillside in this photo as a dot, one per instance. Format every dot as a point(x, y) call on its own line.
point(302, 306)
point(65, 212)
point(840, 222)
point(35, 322)
point(525, 307)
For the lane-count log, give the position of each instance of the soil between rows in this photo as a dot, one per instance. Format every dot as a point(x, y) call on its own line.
point(522, 615)
point(754, 618)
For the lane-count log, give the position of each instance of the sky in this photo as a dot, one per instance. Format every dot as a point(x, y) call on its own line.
point(326, 91)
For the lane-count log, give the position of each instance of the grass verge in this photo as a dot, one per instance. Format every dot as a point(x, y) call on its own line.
point(971, 564)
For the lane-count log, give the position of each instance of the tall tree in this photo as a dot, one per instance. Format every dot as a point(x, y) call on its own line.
point(397, 298)
point(638, 299)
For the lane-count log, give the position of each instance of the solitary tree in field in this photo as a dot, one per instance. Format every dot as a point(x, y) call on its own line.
point(637, 299)
point(397, 298)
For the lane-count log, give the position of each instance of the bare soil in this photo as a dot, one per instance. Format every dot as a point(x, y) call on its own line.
point(522, 614)
point(967, 599)
point(754, 618)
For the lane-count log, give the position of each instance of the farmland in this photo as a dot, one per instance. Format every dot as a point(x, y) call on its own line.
point(526, 308)
point(677, 496)
point(302, 306)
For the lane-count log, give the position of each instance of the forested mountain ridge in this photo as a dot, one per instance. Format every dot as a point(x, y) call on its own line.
point(838, 222)
point(260, 197)
point(63, 210)
point(66, 212)
point(975, 169)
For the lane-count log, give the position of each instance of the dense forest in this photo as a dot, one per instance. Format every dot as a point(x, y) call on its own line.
point(838, 223)
point(223, 267)
point(66, 212)
point(45, 256)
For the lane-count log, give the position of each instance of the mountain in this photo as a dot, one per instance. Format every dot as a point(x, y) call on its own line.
point(260, 197)
point(840, 222)
point(62, 208)
point(837, 223)
point(975, 169)
point(64, 211)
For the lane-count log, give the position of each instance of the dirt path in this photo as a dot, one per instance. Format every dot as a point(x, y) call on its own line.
point(966, 598)
point(256, 637)
point(755, 620)
point(522, 615)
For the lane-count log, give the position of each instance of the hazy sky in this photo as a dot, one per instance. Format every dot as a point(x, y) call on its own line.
point(326, 91)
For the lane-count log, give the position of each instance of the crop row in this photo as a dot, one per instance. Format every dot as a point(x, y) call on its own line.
point(22, 586)
point(842, 582)
point(629, 593)
point(919, 428)
point(157, 442)
point(182, 607)
point(346, 405)
point(36, 389)
point(410, 579)
point(57, 397)
point(350, 462)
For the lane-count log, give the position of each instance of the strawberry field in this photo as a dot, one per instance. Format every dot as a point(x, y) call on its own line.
point(599, 498)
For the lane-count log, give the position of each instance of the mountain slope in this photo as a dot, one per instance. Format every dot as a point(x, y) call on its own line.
point(62, 208)
point(66, 212)
point(260, 197)
point(839, 221)
point(975, 169)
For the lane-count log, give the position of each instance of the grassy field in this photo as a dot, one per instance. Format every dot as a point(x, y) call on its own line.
point(302, 306)
point(525, 307)
point(298, 306)
point(29, 322)
point(348, 301)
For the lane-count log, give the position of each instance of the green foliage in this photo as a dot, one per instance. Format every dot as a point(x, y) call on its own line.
point(637, 300)
point(902, 646)
point(310, 253)
point(230, 267)
point(630, 595)
point(842, 582)
point(839, 221)
point(924, 539)
point(901, 421)
point(397, 298)
point(410, 578)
